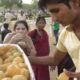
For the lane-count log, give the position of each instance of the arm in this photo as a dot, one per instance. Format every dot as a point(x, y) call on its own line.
point(27, 44)
point(48, 60)
point(32, 48)
point(16, 38)
point(72, 74)
point(8, 37)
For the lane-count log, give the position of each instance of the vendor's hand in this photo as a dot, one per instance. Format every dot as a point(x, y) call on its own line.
point(67, 72)
point(63, 76)
point(72, 74)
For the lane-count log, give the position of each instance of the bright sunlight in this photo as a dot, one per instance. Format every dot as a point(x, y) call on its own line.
point(27, 1)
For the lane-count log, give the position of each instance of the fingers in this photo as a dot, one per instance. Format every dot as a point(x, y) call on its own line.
point(63, 76)
point(67, 72)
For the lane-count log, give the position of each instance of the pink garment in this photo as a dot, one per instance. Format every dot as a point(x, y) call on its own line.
point(42, 47)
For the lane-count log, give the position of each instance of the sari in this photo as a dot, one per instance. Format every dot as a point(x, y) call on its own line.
point(41, 44)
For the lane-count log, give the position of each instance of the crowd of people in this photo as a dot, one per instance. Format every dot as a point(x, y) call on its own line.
point(36, 42)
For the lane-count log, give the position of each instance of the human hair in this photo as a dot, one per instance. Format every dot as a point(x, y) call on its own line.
point(22, 13)
point(43, 3)
point(6, 25)
point(40, 18)
point(22, 22)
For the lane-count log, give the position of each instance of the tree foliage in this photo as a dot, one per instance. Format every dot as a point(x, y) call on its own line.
point(10, 3)
point(34, 4)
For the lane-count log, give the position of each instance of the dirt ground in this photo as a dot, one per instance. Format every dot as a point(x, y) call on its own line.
point(31, 23)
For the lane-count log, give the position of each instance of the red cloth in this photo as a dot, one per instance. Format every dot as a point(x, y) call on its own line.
point(42, 47)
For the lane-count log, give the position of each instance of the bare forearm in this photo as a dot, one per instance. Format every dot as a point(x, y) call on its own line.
point(47, 60)
point(77, 75)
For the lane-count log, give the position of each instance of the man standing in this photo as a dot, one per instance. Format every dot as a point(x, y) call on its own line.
point(66, 12)
point(5, 31)
point(55, 29)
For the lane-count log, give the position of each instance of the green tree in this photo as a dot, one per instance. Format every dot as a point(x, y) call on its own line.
point(19, 3)
point(34, 4)
point(10, 3)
